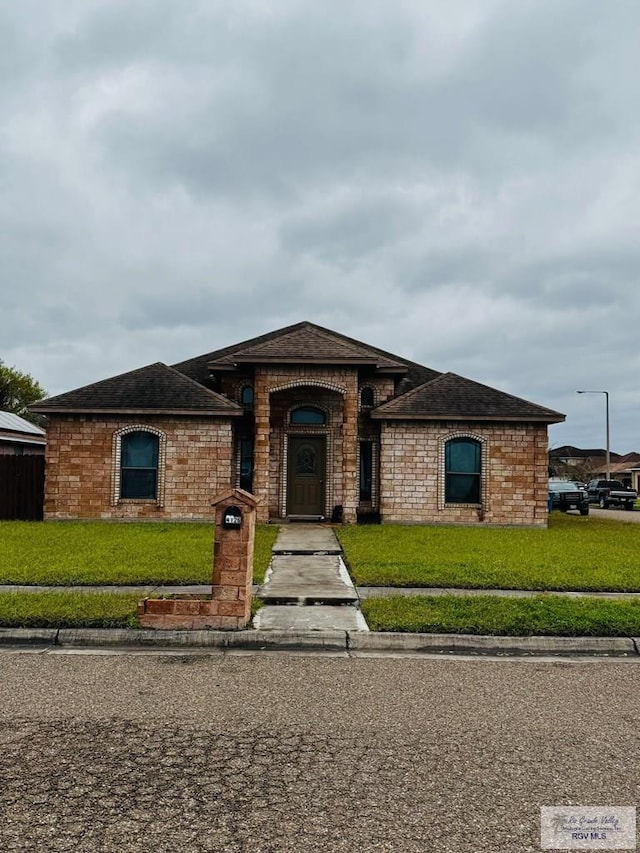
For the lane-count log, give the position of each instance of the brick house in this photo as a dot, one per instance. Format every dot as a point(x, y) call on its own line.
point(313, 423)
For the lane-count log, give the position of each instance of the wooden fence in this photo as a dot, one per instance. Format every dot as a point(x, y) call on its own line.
point(21, 487)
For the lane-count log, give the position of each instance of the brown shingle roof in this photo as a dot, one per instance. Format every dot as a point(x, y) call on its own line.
point(307, 343)
point(567, 451)
point(155, 388)
point(424, 394)
point(303, 342)
point(452, 397)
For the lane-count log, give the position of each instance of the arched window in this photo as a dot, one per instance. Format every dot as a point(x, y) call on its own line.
point(463, 470)
point(366, 398)
point(308, 415)
point(246, 396)
point(139, 466)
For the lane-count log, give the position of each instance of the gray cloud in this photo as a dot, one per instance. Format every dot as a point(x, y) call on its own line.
point(456, 183)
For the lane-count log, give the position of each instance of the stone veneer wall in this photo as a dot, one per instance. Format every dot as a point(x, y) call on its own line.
point(82, 468)
point(514, 473)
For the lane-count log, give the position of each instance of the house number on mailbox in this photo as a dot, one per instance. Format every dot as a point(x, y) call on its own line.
point(232, 518)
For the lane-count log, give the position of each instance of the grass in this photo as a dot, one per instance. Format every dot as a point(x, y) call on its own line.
point(67, 610)
point(71, 552)
point(575, 552)
point(70, 609)
point(519, 617)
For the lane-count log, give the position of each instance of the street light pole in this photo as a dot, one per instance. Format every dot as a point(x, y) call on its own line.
point(608, 450)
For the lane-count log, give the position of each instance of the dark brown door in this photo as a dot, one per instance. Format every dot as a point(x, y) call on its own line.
point(306, 467)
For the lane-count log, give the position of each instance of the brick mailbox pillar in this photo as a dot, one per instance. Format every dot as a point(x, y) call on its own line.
point(235, 512)
point(229, 605)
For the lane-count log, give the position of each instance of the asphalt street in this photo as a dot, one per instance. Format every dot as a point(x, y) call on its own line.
point(280, 752)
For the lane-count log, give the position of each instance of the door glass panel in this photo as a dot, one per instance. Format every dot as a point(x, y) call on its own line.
point(306, 461)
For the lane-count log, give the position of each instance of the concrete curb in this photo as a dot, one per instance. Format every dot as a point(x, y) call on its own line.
point(489, 645)
point(28, 636)
point(352, 642)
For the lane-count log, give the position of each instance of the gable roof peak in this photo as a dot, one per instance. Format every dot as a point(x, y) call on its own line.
point(306, 343)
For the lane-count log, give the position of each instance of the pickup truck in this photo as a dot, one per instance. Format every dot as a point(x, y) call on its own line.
point(611, 492)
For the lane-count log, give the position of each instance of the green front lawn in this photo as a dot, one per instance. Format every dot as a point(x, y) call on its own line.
point(67, 610)
point(70, 609)
point(96, 552)
point(573, 553)
point(516, 617)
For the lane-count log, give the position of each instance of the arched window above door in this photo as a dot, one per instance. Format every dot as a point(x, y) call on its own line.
point(306, 415)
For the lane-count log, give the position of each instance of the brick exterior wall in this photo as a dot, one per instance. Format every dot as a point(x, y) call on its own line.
point(198, 458)
point(82, 467)
point(514, 477)
point(281, 388)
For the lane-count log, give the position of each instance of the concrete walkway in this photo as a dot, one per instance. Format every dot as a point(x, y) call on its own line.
point(306, 539)
point(307, 586)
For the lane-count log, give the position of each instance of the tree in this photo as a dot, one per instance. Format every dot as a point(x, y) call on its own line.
point(18, 391)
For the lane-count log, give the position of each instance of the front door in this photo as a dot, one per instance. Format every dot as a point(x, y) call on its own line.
point(306, 474)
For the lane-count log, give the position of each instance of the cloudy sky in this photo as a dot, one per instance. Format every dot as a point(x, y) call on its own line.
point(457, 183)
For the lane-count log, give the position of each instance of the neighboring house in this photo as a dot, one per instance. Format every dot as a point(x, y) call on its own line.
point(22, 446)
point(575, 463)
point(313, 423)
point(19, 437)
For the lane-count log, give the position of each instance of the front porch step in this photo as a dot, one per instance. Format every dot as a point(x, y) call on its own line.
point(305, 519)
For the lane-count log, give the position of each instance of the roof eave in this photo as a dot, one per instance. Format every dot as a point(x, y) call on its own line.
point(279, 359)
point(215, 366)
point(219, 413)
point(23, 439)
point(470, 417)
point(399, 370)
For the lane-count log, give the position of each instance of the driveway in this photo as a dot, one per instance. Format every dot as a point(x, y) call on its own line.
point(617, 514)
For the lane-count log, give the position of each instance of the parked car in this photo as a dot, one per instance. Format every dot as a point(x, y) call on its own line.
point(611, 492)
point(564, 496)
